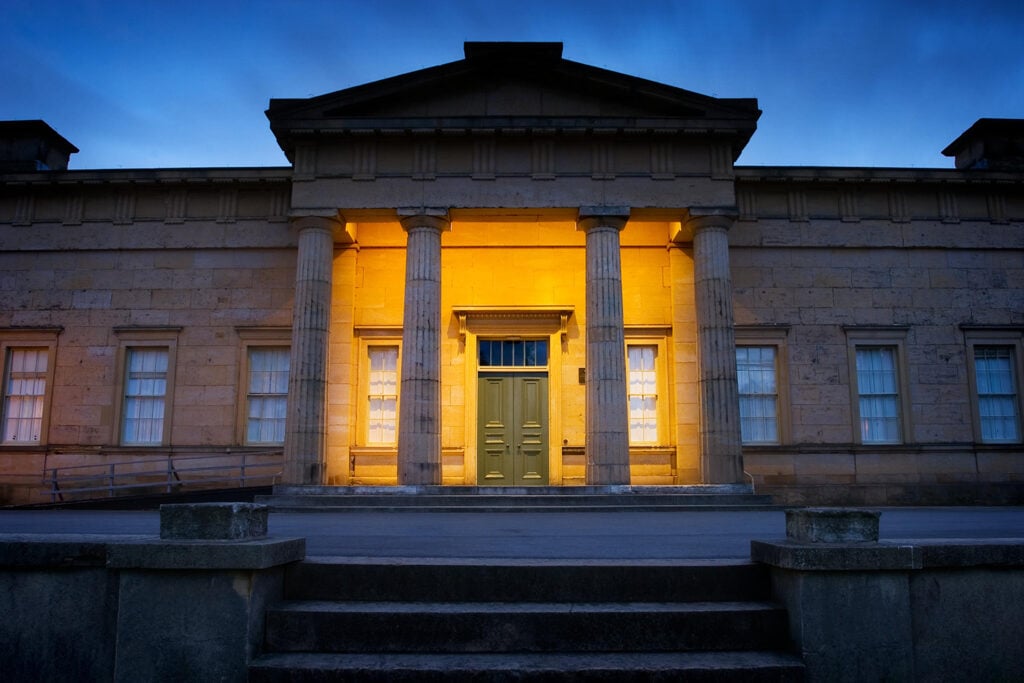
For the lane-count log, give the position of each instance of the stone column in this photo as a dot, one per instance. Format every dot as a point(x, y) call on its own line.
point(419, 416)
point(607, 420)
point(721, 454)
point(306, 420)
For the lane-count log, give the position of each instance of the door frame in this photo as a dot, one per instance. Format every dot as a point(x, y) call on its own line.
point(537, 322)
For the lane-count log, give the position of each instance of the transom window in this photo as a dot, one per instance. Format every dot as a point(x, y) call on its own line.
point(513, 353)
point(24, 391)
point(998, 403)
point(759, 394)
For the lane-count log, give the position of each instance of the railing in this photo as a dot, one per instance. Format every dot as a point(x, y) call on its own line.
point(167, 474)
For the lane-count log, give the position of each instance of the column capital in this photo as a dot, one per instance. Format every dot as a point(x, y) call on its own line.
point(425, 217)
point(602, 216)
point(699, 218)
point(328, 220)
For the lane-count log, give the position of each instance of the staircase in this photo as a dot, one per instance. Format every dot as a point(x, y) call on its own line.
point(525, 620)
point(513, 498)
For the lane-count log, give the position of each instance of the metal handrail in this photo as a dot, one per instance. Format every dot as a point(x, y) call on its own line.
point(62, 480)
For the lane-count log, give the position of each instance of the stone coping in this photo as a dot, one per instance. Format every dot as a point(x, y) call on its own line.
point(891, 555)
point(144, 552)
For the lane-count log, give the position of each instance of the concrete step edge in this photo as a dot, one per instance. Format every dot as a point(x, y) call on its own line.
point(748, 507)
point(411, 609)
point(786, 665)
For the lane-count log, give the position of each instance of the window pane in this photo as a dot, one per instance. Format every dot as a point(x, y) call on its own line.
point(145, 393)
point(24, 392)
point(879, 397)
point(758, 389)
point(382, 406)
point(642, 382)
point(998, 403)
point(267, 397)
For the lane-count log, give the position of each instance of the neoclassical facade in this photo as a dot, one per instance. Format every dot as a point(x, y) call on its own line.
point(515, 269)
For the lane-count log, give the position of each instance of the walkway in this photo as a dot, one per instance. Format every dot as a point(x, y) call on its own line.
point(539, 535)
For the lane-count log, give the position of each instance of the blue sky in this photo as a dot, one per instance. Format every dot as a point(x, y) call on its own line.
point(184, 83)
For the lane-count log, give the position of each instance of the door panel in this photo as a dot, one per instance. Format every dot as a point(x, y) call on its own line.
point(531, 423)
point(495, 430)
point(512, 445)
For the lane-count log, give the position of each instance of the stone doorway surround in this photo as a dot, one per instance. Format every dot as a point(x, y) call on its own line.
point(547, 322)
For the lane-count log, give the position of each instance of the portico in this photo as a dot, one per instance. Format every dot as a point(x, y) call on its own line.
point(514, 201)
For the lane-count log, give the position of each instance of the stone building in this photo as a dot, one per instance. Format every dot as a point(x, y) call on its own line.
point(515, 269)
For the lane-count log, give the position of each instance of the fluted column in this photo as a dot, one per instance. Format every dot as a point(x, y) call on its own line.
point(721, 453)
point(306, 419)
point(607, 419)
point(419, 416)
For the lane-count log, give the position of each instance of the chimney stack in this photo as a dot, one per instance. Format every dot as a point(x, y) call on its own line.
point(27, 146)
point(990, 144)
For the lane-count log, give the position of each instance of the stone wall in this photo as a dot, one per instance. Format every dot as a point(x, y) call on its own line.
point(925, 259)
point(99, 262)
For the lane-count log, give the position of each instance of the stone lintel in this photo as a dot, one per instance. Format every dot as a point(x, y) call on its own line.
point(213, 521)
point(832, 525)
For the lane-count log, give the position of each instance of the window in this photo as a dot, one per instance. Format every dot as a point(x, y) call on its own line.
point(145, 394)
point(382, 396)
point(24, 393)
point(998, 405)
point(643, 394)
point(878, 389)
point(880, 406)
point(267, 394)
point(761, 379)
point(26, 384)
point(145, 384)
point(759, 394)
point(513, 353)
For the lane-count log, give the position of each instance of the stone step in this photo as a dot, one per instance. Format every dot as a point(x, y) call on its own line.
point(390, 627)
point(472, 491)
point(399, 619)
point(509, 499)
point(484, 508)
point(504, 580)
point(653, 667)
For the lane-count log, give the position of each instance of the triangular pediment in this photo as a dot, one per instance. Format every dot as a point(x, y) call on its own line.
point(497, 85)
point(507, 95)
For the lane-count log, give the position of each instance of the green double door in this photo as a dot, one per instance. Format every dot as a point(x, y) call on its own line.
point(512, 428)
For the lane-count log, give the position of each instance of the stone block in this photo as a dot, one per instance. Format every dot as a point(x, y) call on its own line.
point(832, 525)
point(213, 521)
point(850, 626)
point(59, 622)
